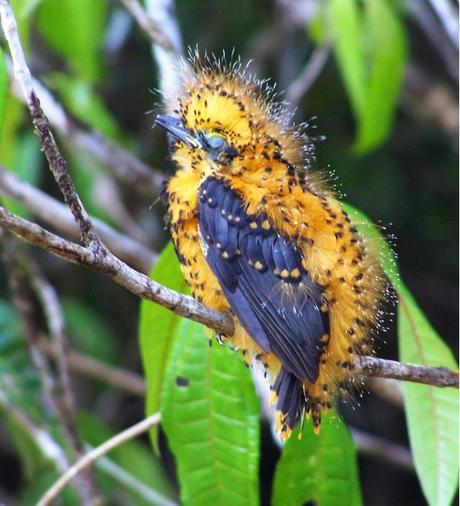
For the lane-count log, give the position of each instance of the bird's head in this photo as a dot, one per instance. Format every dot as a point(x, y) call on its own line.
point(226, 122)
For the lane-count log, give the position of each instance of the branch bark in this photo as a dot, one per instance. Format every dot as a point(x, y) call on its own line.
point(134, 281)
point(186, 306)
point(438, 376)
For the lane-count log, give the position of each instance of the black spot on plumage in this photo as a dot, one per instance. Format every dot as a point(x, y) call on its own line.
point(280, 313)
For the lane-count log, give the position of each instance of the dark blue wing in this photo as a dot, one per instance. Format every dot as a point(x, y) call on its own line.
point(262, 277)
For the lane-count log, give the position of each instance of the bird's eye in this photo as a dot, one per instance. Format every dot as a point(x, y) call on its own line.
point(216, 142)
point(219, 149)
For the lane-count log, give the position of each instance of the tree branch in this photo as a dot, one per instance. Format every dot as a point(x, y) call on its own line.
point(437, 376)
point(58, 166)
point(186, 306)
point(162, 12)
point(96, 257)
point(57, 215)
point(137, 283)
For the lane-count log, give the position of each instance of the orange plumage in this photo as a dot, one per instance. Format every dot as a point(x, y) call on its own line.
point(232, 141)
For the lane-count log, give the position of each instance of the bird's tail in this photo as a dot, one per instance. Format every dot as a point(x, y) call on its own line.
point(292, 404)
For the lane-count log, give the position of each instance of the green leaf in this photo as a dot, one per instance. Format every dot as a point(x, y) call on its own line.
point(75, 30)
point(345, 22)
point(133, 456)
point(317, 28)
point(387, 44)
point(431, 413)
point(85, 104)
point(371, 50)
point(156, 331)
point(211, 418)
point(319, 468)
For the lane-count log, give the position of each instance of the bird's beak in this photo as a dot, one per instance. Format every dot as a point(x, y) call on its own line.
point(177, 130)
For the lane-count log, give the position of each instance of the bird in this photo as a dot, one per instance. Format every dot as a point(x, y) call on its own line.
point(259, 234)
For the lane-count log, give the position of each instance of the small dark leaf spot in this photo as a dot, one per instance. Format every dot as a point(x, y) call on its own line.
point(181, 381)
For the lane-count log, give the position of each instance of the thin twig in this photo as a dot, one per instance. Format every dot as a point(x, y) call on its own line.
point(375, 446)
point(57, 215)
point(51, 450)
point(448, 16)
point(155, 31)
point(428, 23)
point(55, 322)
point(47, 445)
point(186, 306)
point(162, 12)
point(94, 454)
point(21, 299)
point(63, 394)
point(122, 379)
point(130, 482)
point(58, 166)
point(308, 75)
